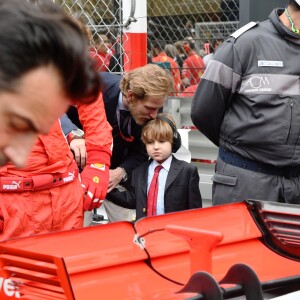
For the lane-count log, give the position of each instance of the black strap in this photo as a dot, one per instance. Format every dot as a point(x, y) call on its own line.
point(239, 161)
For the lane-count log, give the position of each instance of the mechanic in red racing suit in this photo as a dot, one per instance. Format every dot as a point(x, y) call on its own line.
point(47, 194)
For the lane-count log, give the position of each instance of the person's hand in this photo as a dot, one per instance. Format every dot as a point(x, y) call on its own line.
point(94, 180)
point(185, 81)
point(79, 150)
point(115, 177)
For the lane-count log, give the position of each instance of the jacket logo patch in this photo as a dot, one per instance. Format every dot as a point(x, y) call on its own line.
point(70, 177)
point(13, 186)
point(258, 84)
point(270, 63)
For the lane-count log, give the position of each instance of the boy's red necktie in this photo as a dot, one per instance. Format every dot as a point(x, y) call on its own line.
point(152, 193)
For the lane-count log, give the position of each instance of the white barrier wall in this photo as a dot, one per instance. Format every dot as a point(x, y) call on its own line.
point(203, 152)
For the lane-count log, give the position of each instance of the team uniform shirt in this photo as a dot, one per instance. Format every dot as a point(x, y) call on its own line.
point(189, 91)
point(102, 60)
point(162, 57)
point(193, 68)
point(60, 207)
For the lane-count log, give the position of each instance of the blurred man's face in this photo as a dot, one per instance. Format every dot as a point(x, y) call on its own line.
point(145, 109)
point(32, 109)
point(103, 44)
point(218, 44)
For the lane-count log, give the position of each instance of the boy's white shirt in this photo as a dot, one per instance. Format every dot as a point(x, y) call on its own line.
point(162, 179)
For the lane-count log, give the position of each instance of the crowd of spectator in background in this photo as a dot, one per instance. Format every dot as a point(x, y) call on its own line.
point(182, 58)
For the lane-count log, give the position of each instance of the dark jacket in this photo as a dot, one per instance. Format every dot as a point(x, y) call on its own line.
point(248, 100)
point(181, 191)
point(66, 124)
point(127, 155)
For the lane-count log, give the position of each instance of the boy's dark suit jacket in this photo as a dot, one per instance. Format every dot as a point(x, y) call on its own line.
point(127, 155)
point(181, 192)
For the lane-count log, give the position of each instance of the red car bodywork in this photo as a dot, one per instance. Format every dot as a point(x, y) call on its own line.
point(156, 257)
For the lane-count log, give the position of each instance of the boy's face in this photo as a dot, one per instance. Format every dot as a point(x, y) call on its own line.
point(159, 150)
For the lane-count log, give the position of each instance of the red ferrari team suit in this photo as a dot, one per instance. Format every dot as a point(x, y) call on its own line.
point(102, 60)
point(47, 194)
point(189, 91)
point(193, 68)
point(162, 57)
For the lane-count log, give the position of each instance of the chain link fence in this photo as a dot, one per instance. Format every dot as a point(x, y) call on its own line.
point(174, 27)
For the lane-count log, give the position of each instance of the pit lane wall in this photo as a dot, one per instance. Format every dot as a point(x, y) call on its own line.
point(203, 152)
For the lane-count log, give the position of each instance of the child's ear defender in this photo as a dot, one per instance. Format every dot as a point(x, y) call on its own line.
point(176, 135)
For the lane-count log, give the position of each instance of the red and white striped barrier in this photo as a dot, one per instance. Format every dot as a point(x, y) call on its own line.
point(135, 35)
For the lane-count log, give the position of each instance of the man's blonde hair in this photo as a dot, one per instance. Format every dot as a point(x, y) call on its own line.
point(158, 130)
point(149, 80)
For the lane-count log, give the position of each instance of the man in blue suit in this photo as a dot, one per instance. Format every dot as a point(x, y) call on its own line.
point(130, 101)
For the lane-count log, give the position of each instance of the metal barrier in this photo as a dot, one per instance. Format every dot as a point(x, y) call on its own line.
point(204, 152)
point(103, 18)
point(173, 20)
point(170, 22)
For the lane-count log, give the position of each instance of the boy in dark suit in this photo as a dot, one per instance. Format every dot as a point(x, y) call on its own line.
point(130, 101)
point(163, 184)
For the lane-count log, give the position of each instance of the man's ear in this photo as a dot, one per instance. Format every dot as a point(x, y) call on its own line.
point(130, 96)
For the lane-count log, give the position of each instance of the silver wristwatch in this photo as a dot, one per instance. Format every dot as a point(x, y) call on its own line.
point(125, 176)
point(75, 134)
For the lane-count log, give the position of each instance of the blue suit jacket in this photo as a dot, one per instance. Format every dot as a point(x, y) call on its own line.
point(66, 124)
point(127, 155)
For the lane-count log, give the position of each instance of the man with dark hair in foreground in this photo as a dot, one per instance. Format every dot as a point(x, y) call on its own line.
point(44, 64)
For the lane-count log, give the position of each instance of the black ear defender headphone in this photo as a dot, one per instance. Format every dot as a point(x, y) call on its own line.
point(176, 135)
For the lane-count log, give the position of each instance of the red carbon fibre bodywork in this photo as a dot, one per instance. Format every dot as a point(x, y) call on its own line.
point(152, 259)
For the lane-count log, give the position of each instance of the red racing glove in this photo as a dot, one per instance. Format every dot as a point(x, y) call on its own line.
point(94, 180)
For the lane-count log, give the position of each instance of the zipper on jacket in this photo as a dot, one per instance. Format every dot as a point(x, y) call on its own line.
point(291, 119)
